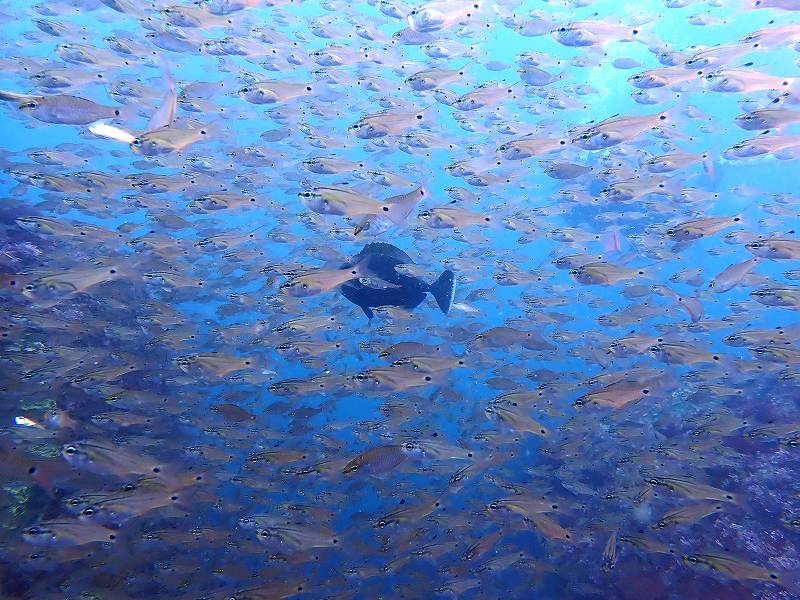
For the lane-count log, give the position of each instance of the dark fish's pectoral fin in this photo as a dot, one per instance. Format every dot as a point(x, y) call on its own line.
point(355, 295)
point(444, 290)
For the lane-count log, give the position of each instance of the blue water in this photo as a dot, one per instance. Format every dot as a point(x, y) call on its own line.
point(581, 421)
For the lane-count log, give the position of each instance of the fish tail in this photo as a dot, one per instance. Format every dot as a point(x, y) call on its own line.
point(444, 290)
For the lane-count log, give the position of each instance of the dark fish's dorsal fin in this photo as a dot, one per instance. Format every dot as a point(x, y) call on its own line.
point(387, 250)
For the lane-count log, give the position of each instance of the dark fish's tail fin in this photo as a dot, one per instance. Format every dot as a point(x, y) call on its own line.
point(444, 290)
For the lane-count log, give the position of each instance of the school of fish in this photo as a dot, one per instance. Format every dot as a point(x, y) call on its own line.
point(225, 229)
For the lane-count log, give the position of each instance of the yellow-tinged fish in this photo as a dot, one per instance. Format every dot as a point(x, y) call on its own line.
point(448, 217)
point(550, 528)
point(377, 461)
point(299, 534)
point(700, 228)
point(322, 280)
point(731, 567)
point(693, 489)
point(689, 514)
point(68, 532)
point(610, 552)
point(603, 273)
point(104, 458)
point(515, 419)
point(775, 248)
point(275, 91)
point(49, 290)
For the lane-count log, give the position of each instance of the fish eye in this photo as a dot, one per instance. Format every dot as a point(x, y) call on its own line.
point(655, 349)
point(88, 512)
point(562, 29)
point(34, 531)
point(692, 559)
point(670, 232)
point(70, 450)
point(245, 90)
point(137, 142)
point(755, 245)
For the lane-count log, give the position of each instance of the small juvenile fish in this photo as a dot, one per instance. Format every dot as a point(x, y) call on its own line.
point(767, 118)
point(274, 91)
point(615, 130)
point(433, 78)
point(64, 532)
point(316, 282)
point(696, 229)
point(730, 567)
point(448, 217)
point(550, 528)
point(775, 248)
point(64, 109)
point(688, 515)
point(377, 461)
point(580, 34)
point(515, 419)
point(485, 95)
point(732, 276)
point(610, 552)
point(299, 534)
point(603, 273)
point(435, 16)
point(692, 489)
point(740, 80)
point(788, 297)
point(107, 459)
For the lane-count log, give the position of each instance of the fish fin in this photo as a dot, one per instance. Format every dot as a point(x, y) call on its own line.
point(363, 225)
point(444, 290)
point(109, 131)
point(398, 208)
point(367, 311)
point(15, 97)
point(164, 115)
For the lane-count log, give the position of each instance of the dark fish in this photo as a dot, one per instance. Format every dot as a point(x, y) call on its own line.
point(385, 286)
